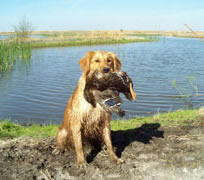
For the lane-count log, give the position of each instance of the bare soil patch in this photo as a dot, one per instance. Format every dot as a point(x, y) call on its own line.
point(150, 152)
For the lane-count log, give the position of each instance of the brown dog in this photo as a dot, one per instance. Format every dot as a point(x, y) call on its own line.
point(81, 119)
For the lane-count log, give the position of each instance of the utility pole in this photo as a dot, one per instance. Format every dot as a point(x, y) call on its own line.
point(195, 34)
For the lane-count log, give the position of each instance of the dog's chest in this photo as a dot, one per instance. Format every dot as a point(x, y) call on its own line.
point(93, 119)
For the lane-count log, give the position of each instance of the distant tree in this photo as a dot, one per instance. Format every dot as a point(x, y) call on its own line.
point(23, 29)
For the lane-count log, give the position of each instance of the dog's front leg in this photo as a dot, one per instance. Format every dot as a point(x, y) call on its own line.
point(77, 139)
point(107, 140)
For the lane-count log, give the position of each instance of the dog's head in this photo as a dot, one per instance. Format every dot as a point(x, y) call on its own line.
point(102, 61)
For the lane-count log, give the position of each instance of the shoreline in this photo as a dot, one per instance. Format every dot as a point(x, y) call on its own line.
point(56, 43)
point(170, 119)
point(112, 33)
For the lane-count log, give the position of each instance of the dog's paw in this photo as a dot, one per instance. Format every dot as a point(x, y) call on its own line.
point(81, 165)
point(120, 161)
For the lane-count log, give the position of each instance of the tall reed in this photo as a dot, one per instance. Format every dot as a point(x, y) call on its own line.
point(12, 50)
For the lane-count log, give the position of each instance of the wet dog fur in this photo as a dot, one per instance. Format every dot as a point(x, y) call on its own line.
point(82, 121)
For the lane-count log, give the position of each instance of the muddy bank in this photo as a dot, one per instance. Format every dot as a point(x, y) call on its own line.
point(150, 152)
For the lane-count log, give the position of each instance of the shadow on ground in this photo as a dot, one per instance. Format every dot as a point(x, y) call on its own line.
point(122, 138)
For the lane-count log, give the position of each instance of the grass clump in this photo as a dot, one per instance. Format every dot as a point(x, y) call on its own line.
point(12, 50)
point(11, 130)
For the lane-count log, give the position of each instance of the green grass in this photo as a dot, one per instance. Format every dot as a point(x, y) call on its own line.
point(10, 51)
point(7, 55)
point(43, 44)
point(182, 117)
point(9, 129)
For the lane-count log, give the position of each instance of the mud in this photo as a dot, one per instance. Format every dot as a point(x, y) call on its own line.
point(150, 153)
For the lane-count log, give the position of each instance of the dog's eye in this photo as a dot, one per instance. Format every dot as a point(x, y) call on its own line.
point(97, 60)
point(109, 60)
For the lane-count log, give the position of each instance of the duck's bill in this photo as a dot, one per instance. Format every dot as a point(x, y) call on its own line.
point(133, 94)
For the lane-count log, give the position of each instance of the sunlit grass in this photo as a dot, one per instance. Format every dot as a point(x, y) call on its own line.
point(9, 129)
point(181, 117)
point(79, 38)
point(80, 42)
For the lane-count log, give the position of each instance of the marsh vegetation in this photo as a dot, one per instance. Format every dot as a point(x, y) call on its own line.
point(16, 48)
point(11, 51)
point(19, 43)
point(78, 38)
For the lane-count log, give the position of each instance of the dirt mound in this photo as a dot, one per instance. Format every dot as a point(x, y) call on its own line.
point(150, 152)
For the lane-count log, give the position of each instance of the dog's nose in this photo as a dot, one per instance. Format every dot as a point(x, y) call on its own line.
point(106, 69)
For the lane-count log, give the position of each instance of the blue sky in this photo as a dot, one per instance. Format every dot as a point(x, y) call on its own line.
point(103, 15)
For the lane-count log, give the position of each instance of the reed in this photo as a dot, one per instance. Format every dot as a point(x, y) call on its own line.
point(13, 50)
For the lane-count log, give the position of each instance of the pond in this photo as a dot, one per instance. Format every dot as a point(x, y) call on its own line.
point(37, 92)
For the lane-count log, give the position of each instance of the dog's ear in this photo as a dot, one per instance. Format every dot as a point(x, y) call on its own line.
point(117, 64)
point(86, 61)
point(116, 61)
